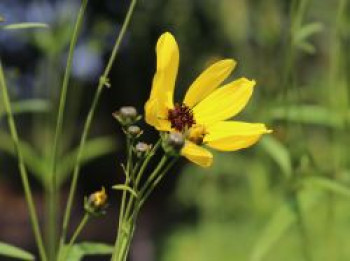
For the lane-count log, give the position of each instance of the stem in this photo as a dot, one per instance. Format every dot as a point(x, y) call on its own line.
point(88, 121)
point(22, 168)
point(53, 197)
point(78, 230)
point(146, 161)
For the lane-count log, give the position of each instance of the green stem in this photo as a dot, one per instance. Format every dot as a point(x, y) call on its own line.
point(146, 162)
point(77, 232)
point(53, 197)
point(22, 168)
point(88, 121)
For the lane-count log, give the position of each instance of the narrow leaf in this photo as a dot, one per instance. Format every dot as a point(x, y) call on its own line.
point(34, 105)
point(307, 31)
point(25, 26)
point(327, 184)
point(14, 252)
point(278, 225)
point(278, 153)
point(125, 188)
point(308, 114)
point(94, 148)
point(78, 251)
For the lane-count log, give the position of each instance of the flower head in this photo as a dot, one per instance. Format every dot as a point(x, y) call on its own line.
point(203, 115)
point(96, 203)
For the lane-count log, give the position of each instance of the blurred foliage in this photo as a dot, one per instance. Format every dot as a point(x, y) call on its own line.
point(248, 205)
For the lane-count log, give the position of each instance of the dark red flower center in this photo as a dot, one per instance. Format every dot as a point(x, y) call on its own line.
point(181, 117)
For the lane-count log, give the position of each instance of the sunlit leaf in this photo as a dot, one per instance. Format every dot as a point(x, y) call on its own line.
point(78, 251)
point(125, 188)
point(25, 26)
point(279, 153)
point(14, 252)
point(328, 185)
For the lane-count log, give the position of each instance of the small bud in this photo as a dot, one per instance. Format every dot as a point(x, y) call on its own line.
point(96, 203)
point(142, 149)
point(173, 143)
point(134, 131)
point(126, 115)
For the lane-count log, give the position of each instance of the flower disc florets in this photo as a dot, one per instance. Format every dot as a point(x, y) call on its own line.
point(181, 117)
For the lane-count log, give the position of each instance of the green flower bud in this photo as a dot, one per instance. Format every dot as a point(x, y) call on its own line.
point(142, 149)
point(126, 115)
point(134, 131)
point(173, 142)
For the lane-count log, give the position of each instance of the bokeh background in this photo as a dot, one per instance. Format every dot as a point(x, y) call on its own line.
point(284, 199)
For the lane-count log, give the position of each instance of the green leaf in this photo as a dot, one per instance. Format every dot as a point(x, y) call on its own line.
point(308, 114)
point(278, 225)
point(14, 252)
point(306, 47)
point(34, 105)
point(94, 148)
point(279, 153)
point(78, 251)
point(2, 19)
point(31, 158)
point(327, 184)
point(125, 188)
point(307, 31)
point(24, 26)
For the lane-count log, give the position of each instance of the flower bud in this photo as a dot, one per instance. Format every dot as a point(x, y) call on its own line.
point(173, 143)
point(96, 203)
point(134, 131)
point(126, 115)
point(142, 149)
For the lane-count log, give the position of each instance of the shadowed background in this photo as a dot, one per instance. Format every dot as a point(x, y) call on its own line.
point(242, 208)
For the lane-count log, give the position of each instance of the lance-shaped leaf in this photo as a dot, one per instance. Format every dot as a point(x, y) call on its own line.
point(78, 251)
point(328, 185)
point(20, 26)
point(14, 252)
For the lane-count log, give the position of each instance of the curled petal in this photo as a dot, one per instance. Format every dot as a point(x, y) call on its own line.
point(197, 154)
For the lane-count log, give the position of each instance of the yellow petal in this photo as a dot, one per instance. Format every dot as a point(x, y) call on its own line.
point(208, 81)
point(152, 116)
point(234, 135)
point(224, 102)
point(197, 154)
point(161, 98)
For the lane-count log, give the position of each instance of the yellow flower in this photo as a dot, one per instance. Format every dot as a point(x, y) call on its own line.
point(203, 114)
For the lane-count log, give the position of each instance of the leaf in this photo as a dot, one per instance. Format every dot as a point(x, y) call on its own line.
point(34, 105)
point(279, 153)
point(125, 188)
point(24, 26)
point(31, 158)
point(327, 184)
point(307, 31)
point(278, 225)
point(78, 251)
point(2, 19)
point(306, 47)
point(308, 114)
point(94, 148)
point(14, 252)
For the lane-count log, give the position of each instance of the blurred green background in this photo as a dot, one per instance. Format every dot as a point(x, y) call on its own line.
point(286, 198)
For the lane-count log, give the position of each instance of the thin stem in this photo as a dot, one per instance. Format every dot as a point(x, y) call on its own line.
point(77, 232)
point(102, 83)
point(146, 161)
point(22, 169)
point(53, 197)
